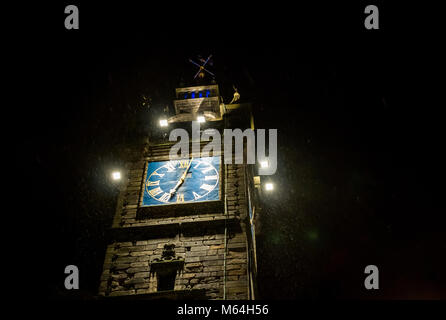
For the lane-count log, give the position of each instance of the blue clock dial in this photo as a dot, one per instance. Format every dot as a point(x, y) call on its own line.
point(182, 181)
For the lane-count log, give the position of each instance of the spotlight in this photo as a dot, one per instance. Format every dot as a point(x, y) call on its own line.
point(269, 186)
point(264, 164)
point(116, 175)
point(163, 122)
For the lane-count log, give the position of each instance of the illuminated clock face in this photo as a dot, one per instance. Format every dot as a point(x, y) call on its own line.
point(182, 181)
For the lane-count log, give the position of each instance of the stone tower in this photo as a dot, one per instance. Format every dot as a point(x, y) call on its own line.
point(185, 228)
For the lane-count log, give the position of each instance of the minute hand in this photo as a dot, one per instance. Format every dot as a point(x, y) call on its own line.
point(180, 182)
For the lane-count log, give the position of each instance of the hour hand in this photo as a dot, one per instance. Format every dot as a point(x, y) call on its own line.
point(183, 176)
point(174, 189)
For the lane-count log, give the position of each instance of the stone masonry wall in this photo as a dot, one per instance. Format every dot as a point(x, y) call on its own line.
point(127, 264)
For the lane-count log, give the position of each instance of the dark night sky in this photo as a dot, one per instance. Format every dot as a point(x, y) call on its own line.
point(358, 126)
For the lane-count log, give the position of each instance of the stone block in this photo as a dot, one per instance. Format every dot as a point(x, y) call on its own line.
point(137, 269)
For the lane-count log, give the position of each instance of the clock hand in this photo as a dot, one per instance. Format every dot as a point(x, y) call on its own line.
point(172, 191)
point(180, 182)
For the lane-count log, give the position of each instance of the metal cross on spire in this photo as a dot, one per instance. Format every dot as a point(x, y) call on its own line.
point(202, 69)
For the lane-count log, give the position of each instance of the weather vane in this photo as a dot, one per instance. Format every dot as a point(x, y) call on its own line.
point(202, 69)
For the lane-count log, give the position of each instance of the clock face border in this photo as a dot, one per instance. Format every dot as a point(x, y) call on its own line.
point(183, 208)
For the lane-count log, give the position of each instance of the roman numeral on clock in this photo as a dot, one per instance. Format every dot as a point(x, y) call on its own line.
point(207, 169)
point(158, 174)
point(211, 178)
point(153, 183)
point(155, 192)
point(207, 187)
point(165, 197)
point(180, 197)
point(170, 166)
point(184, 164)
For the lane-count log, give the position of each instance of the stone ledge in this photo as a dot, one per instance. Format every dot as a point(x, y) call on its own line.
point(180, 209)
point(191, 294)
point(145, 232)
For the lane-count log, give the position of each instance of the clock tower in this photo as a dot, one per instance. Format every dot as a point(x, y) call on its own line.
point(185, 228)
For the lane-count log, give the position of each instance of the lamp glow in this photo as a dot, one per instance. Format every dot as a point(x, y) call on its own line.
point(269, 186)
point(163, 123)
point(116, 175)
point(264, 164)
